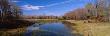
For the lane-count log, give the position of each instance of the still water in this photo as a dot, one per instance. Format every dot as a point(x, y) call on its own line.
point(48, 29)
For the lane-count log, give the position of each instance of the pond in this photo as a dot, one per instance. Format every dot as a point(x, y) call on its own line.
point(49, 29)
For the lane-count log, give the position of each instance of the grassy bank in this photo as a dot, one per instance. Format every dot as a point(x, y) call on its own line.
point(13, 32)
point(91, 29)
point(14, 27)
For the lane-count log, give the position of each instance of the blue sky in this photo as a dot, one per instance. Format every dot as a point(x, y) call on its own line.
point(49, 7)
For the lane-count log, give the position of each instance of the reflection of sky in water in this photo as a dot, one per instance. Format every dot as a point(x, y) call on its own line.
point(50, 28)
point(33, 27)
point(55, 27)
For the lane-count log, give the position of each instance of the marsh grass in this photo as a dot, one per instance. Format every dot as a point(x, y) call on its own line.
point(91, 29)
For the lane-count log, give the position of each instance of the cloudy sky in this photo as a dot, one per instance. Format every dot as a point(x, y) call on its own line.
point(49, 7)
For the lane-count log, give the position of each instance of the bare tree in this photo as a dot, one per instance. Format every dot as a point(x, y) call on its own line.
point(9, 11)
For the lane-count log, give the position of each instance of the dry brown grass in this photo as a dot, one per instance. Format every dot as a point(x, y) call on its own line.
point(12, 32)
point(91, 29)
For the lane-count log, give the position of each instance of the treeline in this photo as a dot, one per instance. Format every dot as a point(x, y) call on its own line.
point(99, 10)
point(40, 17)
point(9, 11)
point(9, 15)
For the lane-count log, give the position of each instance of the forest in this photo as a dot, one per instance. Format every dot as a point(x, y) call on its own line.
point(10, 15)
point(99, 10)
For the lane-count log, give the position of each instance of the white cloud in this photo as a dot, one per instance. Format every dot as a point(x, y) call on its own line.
point(31, 7)
point(54, 4)
point(15, 1)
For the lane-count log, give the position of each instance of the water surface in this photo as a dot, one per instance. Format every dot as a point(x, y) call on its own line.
point(49, 29)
